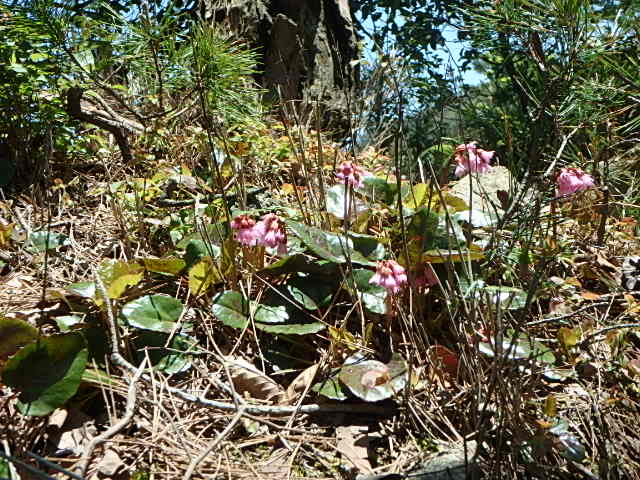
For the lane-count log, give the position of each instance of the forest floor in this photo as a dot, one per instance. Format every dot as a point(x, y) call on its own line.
point(521, 361)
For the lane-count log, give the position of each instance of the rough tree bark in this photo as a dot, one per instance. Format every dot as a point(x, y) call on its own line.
point(306, 49)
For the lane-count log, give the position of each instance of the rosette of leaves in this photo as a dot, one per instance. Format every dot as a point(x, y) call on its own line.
point(369, 380)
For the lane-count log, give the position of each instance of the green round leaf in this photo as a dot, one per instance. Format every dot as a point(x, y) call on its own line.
point(509, 298)
point(15, 333)
point(203, 275)
point(165, 266)
point(83, 289)
point(372, 380)
point(331, 388)
point(42, 240)
point(153, 312)
point(373, 296)
point(170, 359)
point(47, 372)
point(118, 276)
point(336, 198)
point(328, 246)
point(232, 309)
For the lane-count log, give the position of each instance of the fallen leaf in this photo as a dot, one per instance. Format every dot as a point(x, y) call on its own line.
point(353, 444)
point(110, 463)
point(301, 383)
point(248, 379)
point(587, 295)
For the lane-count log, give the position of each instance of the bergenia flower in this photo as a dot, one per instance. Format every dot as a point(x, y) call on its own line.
point(427, 278)
point(272, 233)
point(246, 232)
point(571, 180)
point(351, 173)
point(390, 275)
point(470, 158)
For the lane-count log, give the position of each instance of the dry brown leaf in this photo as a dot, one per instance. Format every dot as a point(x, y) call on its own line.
point(301, 383)
point(247, 379)
point(110, 463)
point(587, 295)
point(353, 442)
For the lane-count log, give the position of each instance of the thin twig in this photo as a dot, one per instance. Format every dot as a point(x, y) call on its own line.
point(567, 315)
point(119, 360)
point(223, 434)
point(587, 340)
point(114, 429)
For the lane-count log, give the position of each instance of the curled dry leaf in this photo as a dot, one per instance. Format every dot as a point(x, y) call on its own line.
point(247, 379)
point(301, 383)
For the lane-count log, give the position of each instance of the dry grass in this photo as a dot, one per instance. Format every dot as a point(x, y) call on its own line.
point(498, 404)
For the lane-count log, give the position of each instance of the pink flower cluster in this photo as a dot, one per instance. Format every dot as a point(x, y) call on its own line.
point(352, 174)
point(470, 158)
point(571, 180)
point(270, 232)
point(390, 275)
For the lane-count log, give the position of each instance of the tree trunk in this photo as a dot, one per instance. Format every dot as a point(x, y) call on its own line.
point(306, 50)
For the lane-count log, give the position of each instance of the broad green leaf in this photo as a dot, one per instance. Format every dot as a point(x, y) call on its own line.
point(461, 255)
point(165, 266)
point(98, 377)
point(118, 276)
point(15, 333)
point(65, 322)
point(372, 380)
point(270, 314)
point(373, 296)
point(331, 388)
point(292, 328)
point(232, 309)
point(378, 190)
point(519, 348)
point(419, 196)
point(82, 289)
point(310, 292)
point(174, 358)
point(304, 264)
point(196, 249)
point(423, 223)
point(509, 298)
point(336, 197)
point(203, 275)
point(47, 372)
point(368, 246)
point(41, 241)
point(327, 245)
point(153, 312)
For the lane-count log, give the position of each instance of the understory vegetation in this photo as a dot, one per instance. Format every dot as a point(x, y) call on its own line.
point(196, 283)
